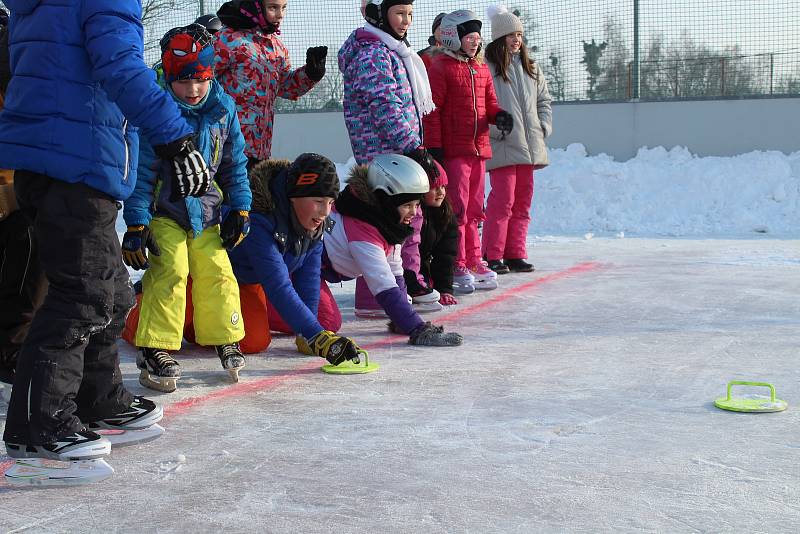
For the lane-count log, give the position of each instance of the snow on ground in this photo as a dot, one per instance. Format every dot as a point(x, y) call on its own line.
point(664, 192)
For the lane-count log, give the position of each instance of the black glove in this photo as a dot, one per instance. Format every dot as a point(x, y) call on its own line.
point(433, 336)
point(504, 122)
point(190, 174)
point(328, 345)
point(135, 243)
point(425, 160)
point(315, 62)
point(437, 154)
point(234, 228)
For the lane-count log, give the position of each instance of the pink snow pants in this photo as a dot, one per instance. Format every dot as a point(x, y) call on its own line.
point(508, 212)
point(466, 176)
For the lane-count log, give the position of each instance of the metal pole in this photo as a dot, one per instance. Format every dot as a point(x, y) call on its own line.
point(636, 49)
point(771, 72)
point(202, 7)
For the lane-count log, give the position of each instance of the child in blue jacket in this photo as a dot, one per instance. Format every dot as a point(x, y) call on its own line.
point(184, 236)
point(279, 264)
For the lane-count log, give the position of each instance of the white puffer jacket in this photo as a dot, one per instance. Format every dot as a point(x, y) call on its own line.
point(528, 101)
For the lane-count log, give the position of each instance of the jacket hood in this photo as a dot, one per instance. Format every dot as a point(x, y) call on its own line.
point(355, 43)
point(359, 186)
point(261, 178)
point(440, 50)
point(21, 7)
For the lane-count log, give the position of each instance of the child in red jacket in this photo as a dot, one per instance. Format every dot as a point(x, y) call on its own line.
point(457, 134)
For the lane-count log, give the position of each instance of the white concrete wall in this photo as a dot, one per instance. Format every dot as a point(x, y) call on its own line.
point(707, 128)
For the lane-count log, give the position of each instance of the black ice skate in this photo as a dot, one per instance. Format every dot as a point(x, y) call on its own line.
point(159, 370)
point(232, 359)
point(135, 425)
point(83, 445)
point(72, 460)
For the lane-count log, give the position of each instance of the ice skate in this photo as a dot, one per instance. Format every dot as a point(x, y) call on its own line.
point(519, 266)
point(159, 370)
point(427, 302)
point(231, 358)
point(137, 424)
point(370, 313)
point(463, 281)
point(82, 445)
point(485, 278)
point(72, 460)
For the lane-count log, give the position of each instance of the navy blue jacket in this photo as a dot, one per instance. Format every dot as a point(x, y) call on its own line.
point(79, 88)
point(286, 264)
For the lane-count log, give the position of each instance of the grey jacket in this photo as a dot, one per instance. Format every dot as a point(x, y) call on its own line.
point(528, 101)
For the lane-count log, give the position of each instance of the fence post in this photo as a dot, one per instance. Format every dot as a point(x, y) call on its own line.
point(722, 76)
point(635, 49)
point(202, 7)
point(771, 72)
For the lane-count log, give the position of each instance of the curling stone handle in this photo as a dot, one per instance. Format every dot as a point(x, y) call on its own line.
point(746, 383)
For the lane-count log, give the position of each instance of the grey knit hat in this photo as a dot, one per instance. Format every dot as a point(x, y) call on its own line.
point(503, 22)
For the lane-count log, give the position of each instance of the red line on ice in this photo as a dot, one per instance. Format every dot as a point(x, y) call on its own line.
point(253, 386)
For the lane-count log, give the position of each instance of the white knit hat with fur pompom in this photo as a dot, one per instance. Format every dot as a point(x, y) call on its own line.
point(503, 22)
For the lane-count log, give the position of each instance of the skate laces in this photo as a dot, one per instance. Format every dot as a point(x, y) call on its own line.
point(481, 267)
point(226, 351)
point(161, 357)
point(461, 270)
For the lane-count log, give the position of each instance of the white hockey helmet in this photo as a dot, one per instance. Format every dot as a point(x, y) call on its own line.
point(397, 175)
point(450, 24)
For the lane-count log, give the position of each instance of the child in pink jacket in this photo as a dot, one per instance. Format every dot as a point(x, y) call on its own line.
point(457, 134)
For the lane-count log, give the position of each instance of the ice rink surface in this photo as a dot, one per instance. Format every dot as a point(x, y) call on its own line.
point(581, 401)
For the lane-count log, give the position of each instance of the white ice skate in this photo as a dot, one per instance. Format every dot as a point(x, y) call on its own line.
point(371, 313)
point(485, 278)
point(427, 303)
point(44, 472)
point(158, 369)
point(231, 358)
point(73, 460)
point(135, 425)
point(463, 281)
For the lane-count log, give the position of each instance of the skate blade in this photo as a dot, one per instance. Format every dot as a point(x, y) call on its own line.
point(235, 373)
point(42, 472)
point(486, 286)
point(165, 384)
point(371, 314)
point(463, 290)
point(427, 307)
point(123, 438)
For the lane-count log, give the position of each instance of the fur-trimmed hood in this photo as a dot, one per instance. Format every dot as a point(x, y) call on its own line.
point(441, 50)
point(261, 177)
point(359, 185)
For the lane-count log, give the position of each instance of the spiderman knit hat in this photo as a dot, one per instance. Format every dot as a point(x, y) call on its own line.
point(187, 53)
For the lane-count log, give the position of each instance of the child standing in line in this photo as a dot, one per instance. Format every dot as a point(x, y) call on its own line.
point(434, 41)
point(253, 66)
point(438, 242)
point(457, 134)
point(372, 218)
point(521, 89)
point(184, 236)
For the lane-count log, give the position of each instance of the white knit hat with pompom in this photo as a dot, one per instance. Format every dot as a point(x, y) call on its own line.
point(503, 22)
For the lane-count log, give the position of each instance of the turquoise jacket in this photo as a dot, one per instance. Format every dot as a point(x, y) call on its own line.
point(219, 138)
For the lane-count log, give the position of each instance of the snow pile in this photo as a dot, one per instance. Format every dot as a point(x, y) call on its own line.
point(664, 192)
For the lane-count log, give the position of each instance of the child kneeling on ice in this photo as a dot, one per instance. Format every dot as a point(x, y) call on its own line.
point(278, 266)
point(184, 235)
point(372, 218)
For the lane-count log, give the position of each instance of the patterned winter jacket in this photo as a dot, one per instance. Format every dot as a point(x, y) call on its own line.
point(465, 106)
point(285, 262)
point(254, 68)
point(220, 140)
point(379, 108)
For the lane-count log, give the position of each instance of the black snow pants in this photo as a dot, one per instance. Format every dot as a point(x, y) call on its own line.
point(22, 286)
point(68, 368)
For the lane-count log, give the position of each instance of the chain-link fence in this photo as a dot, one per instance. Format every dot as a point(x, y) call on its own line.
point(609, 50)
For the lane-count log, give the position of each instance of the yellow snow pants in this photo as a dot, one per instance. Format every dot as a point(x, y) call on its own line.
point(215, 293)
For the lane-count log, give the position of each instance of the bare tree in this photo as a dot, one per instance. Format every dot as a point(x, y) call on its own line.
point(158, 16)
